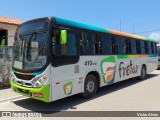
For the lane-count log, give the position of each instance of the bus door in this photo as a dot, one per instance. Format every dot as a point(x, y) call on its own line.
point(65, 64)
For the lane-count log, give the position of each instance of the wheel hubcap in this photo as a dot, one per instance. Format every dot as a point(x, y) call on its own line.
point(90, 86)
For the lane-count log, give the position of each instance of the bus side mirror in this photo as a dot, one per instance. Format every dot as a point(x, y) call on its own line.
point(63, 37)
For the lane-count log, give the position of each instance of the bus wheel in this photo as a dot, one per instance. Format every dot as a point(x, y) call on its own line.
point(90, 86)
point(143, 73)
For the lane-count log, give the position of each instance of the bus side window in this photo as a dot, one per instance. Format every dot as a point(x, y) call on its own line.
point(71, 49)
point(146, 47)
point(152, 47)
point(155, 48)
point(114, 46)
point(97, 43)
point(107, 43)
point(56, 43)
point(68, 49)
point(85, 43)
point(82, 43)
point(142, 47)
point(100, 44)
point(120, 45)
point(127, 46)
point(149, 48)
point(133, 47)
point(100, 38)
point(138, 47)
point(94, 44)
point(107, 46)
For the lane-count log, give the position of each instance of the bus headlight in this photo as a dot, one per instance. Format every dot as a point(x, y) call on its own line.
point(12, 77)
point(38, 81)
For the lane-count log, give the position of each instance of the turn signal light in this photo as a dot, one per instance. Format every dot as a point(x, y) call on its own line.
point(44, 77)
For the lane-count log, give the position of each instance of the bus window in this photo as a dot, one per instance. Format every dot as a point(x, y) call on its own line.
point(82, 43)
point(120, 44)
point(138, 47)
point(85, 43)
point(97, 43)
point(72, 44)
point(100, 38)
point(146, 47)
point(56, 43)
point(107, 48)
point(142, 47)
point(125, 45)
point(152, 47)
point(149, 48)
point(128, 46)
point(133, 46)
point(94, 44)
point(114, 45)
point(155, 48)
point(68, 49)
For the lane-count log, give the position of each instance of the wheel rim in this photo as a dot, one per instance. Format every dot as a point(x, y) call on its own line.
point(90, 86)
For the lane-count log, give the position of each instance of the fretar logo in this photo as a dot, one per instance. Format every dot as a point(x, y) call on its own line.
point(127, 70)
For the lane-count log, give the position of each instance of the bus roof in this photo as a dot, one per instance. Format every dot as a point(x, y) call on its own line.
point(99, 29)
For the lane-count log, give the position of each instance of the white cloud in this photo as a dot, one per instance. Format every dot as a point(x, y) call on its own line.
point(155, 36)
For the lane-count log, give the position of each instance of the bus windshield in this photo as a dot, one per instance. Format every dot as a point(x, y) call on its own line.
point(29, 51)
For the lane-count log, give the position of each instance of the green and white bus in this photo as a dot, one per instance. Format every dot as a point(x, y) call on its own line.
point(54, 58)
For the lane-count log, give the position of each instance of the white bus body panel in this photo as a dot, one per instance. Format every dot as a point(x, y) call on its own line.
point(66, 82)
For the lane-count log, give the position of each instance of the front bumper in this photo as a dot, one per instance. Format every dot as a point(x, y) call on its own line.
point(42, 93)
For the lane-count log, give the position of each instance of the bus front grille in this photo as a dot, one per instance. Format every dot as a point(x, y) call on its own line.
point(23, 91)
point(24, 77)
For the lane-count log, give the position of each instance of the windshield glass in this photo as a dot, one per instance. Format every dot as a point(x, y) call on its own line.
point(33, 25)
point(29, 51)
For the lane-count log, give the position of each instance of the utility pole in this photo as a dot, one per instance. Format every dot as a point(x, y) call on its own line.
point(146, 33)
point(120, 25)
point(133, 29)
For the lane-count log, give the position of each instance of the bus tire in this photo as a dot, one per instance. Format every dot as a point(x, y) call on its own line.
point(143, 73)
point(90, 86)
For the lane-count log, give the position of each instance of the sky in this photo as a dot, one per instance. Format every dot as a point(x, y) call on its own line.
point(135, 16)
